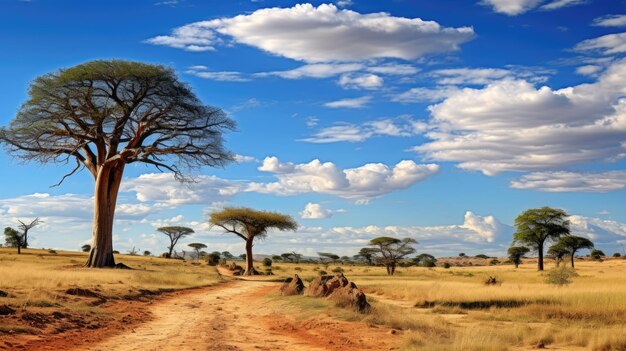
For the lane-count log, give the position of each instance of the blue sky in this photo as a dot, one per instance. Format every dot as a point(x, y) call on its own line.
point(438, 120)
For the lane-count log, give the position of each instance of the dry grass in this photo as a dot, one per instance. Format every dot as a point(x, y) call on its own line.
point(457, 311)
point(38, 278)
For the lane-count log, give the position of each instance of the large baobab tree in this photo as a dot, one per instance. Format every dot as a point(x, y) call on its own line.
point(174, 233)
point(538, 225)
point(105, 115)
point(249, 224)
point(25, 227)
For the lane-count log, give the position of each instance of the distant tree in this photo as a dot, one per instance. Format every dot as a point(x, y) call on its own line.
point(86, 248)
point(147, 253)
point(249, 224)
point(296, 256)
point(13, 238)
point(617, 255)
point(482, 256)
point(597, 254)
point(331, 257)
point(367, 254)
point(557, 252)
point(116, 252)
point(197, 247)
point(227, 255)
point(538, 225)
point(133, 251)
point(243, 256)
point(572, 243)
point(345, 260)
point(213, 258)
point(267, 262)
point(462, 254)
point(174, 233)
point(287, 256)
point(277, 258)
point(392, 250)
point(25, 227)
point(104, 115)
point(516, 253)
point(425, 260)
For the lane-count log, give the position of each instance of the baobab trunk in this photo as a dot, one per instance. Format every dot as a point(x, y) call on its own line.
point(107, 186)
point(249, 261)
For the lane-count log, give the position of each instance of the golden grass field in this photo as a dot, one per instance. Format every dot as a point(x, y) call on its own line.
point(432, 309)
point(465, 314)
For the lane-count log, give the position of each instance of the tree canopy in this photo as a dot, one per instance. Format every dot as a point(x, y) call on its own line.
point(570, 244)
point(174, 233)
point(516, 253)
point(103, 115)
point(249, 224)
point(538, 225)
point(392, 250)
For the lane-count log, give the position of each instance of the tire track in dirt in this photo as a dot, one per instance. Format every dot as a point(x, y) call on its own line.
point(226, 318)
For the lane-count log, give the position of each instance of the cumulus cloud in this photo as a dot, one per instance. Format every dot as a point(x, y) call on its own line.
point(316, 70)
point(165, 190)
point(301, 33)
point(603, 232)
point(610, 21)
point(572, 181)
point(609, 44)
point(349, 132)
point(588, 70)
point(315, 211)
point(518, 7)
point(360, 102)
point(415, 95)
point(510, 125)
point(359, 184)
point(360, 81)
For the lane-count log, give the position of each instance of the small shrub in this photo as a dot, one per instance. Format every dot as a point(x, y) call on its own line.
point(446, 265)
point(267, 262)
point(52, 252)
point(481, 256)
point(617, 254)
point(322, 272)
point(337, 270)
point(494, 262)
point(429, 264)
point(560, 276)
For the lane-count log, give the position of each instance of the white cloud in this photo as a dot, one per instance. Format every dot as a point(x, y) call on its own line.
point(345, 3)
point(512, 126)
point(610, 21)
point(315, 211)
point(487, 228)
point(359, 184)
point(434, 94)
point(557, 4)
point(572, 181)
point(512, 7)
point(601, 231)
point(588, 70)
point(609, 44)
point(244, 159)
point(301, 33)
point(359, 102)
point(315, 70)
point(164, 190)
point(361, 81)
point(471, 76)
point(393, 69)
point(398, 127)
point(224, 76)
point(518, 7)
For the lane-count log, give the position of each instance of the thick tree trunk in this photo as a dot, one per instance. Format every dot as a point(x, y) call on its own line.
point(105, 197)
point(572, 257)
point(540, 262)
point(249, 261)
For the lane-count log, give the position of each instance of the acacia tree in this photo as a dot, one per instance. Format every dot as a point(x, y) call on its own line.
point(392, 250)
point(516, 253)
point(86, 248)
point(249, 224)
point(327, 255)
point(25, 227)
point(197, 247)
point(105, 115)
point(367, 254)
point(174, 233)
point(13, 238)
point(570, 244)
point(557, 252)
point(538, 225)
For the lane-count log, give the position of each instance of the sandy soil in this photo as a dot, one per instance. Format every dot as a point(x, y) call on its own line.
point(233, 317)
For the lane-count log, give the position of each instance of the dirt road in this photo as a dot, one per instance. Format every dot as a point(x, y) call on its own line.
point(233, 317)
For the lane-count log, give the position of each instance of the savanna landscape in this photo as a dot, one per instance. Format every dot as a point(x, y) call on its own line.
point(351, 175)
